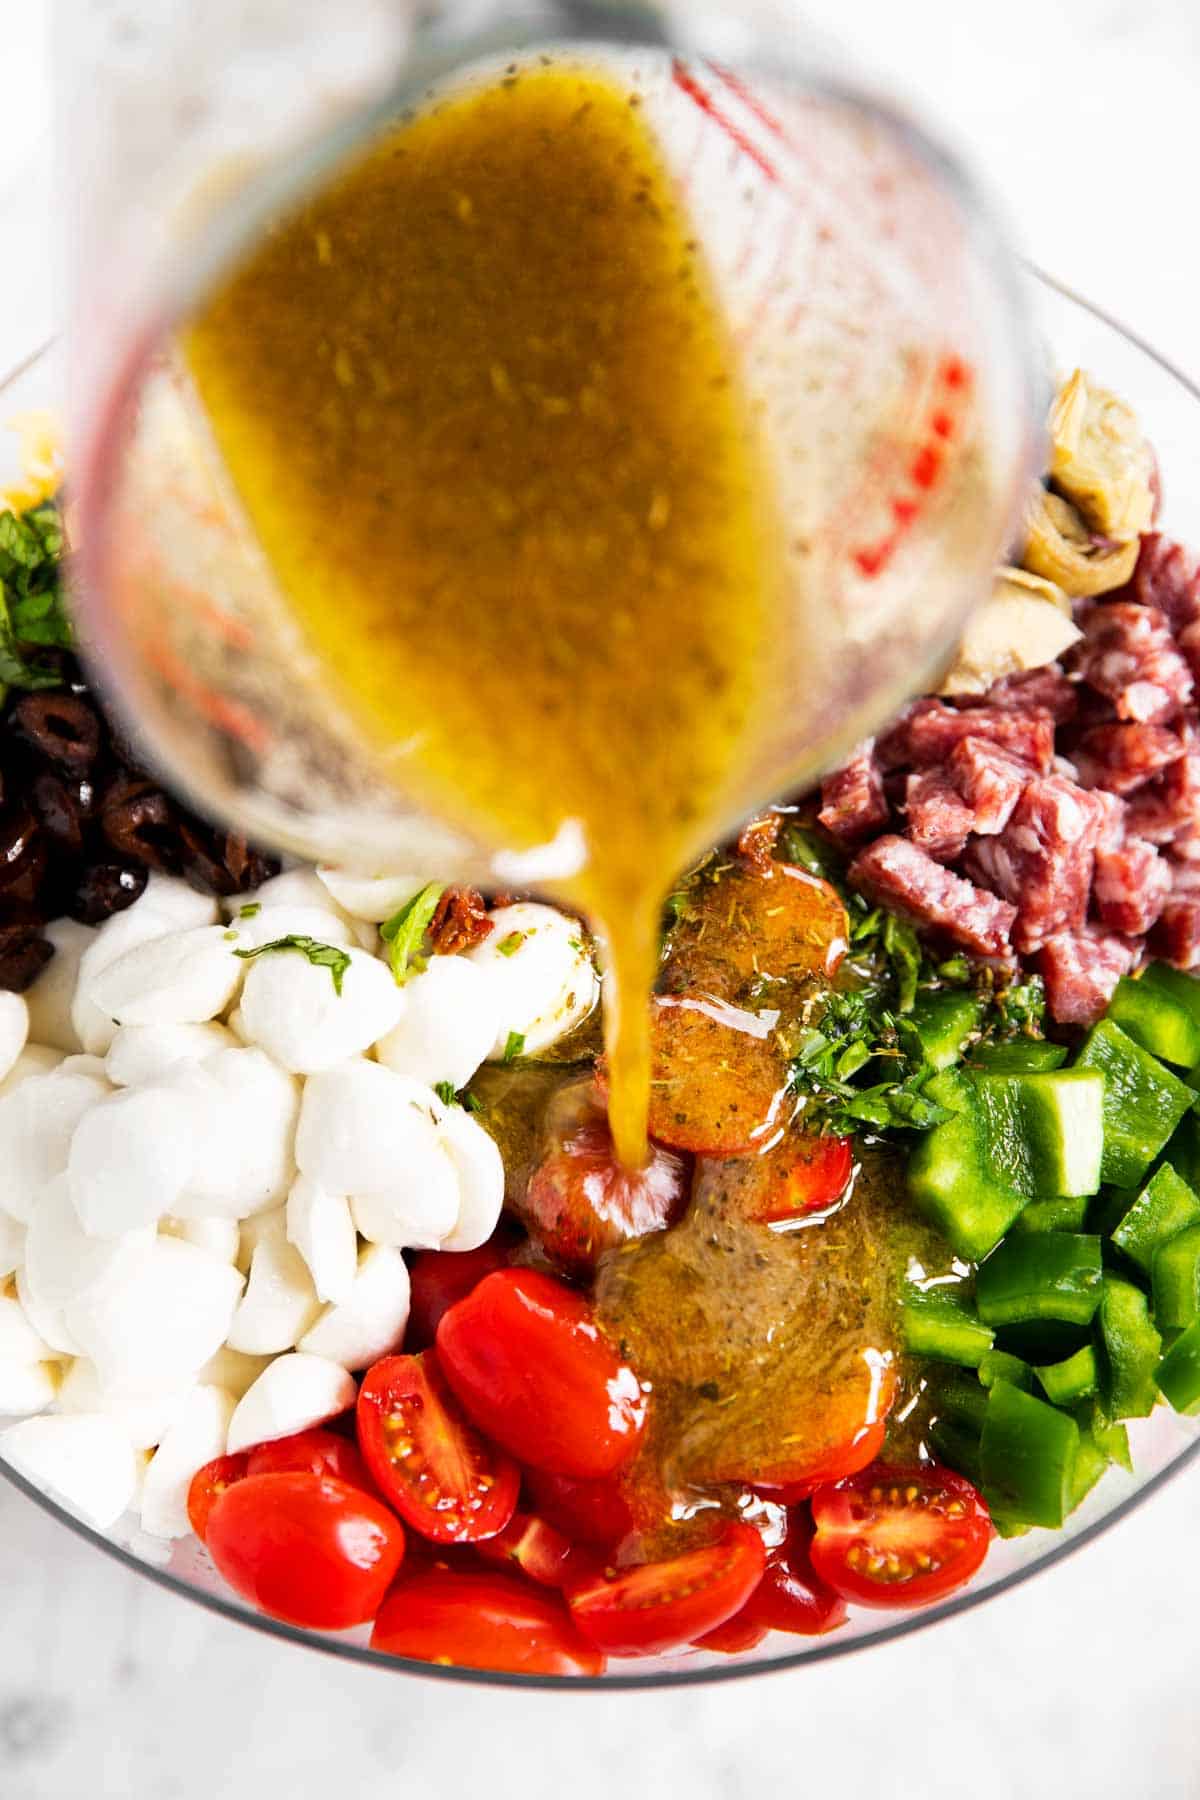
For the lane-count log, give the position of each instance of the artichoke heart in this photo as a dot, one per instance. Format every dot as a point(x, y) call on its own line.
point(1100, 461)
point(1062, 548)
point(1024, 625)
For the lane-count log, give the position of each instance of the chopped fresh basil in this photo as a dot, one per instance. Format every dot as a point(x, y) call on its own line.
point(508, 946)
point(322, 956)
point(404, 933)
point(33, 614)
point(446, 1092)
point(515, 1046)
point(250, 912)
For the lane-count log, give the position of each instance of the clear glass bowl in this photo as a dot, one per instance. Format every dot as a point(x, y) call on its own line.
point(1169, 405)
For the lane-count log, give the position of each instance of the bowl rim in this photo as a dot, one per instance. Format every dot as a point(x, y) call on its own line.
point(900, 1624)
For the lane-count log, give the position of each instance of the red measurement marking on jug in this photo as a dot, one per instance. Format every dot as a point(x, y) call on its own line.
point(926, 468)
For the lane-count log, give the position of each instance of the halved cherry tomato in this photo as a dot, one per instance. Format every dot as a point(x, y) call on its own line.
point(718, 1076)
point(735, 1636)
point(527, 1360)
point(439, 1279)
point(580, 1201)
point(587, 1512)
point(207, 1486)
point(813, 1172)
point(791, 1597)
point(646, 1610)
point(429, 1462)
point(306, 1548)
point(899, 1537)
point(319, 1451)
point(809, 1469)
point(533, 1547)
point(482, 1620)
point(775, 920)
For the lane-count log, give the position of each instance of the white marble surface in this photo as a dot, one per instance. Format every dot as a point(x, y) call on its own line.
point(1082, 115)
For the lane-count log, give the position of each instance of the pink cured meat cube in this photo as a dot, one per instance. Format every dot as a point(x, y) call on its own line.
point(939, 819)
point(1167, 578)
point(1176, 937)
point(989, 780)
point(1048, 689)
point(853, 803)
point(1042, 861)
point(1112, 814)
point(894, 873)
point(1122, 758)
point(1130, 886)
point(1081, 970)
point(926, 733)
point(1168, 810)
point(1129, 655)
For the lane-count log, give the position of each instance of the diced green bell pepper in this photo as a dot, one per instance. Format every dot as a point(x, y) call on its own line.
point(1049, 1275)
point(944, 1021)
point(1183, 1151)
point(1111, 1438)
point(1045, 1133)
point(1143, 1102)
point(1090, 1465)
point(1021, 1056)
point(999, 1365)
point(938, 1322)
point(1053, 1215)
point(1156, 1017)
point(1076, 1379)
point(957, 1447)
point(1165, 1206)
point(948, 1178)
point(1178, 1374)
point(957, 1396)
point(1027, 1452)
point(1175, 1280)
point(1131, 1351)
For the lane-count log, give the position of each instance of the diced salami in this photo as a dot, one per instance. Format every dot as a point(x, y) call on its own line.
point(1176, 937)
point(989, 780)
point(1129, 655)
point(1167, 577)
point(1081, 970)
point(1042, 861)
point(1122, 758)
point(939, 819)
point(1113, 811)
point(926, 734)
point(1035, 690)
point(894, 873)
point(1168, 810)
point(853, 803)
point(1130, 886)
point(1185, 877)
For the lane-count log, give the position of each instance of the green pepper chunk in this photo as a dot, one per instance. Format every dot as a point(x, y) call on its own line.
point(1131, 1347)
point(948, 1177)
point(943, 1021)
point(1023, 1056)
point(1050, 1275)
point(1028, 1451)
point(958, 1447)
point(1143, 1102)
point(1178, 1374)
point(1075, 1379)
point(957, 1396)
point(1175, 1280)
point(1067, 1214)
point(1045, 1133)
point(1165, 1206)
point(940, 1323)
point(1157, 1015)
point(1001, 1365)
point(1183, 1151)
point(1111, 1438)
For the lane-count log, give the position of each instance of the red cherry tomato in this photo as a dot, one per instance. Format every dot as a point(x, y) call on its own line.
point(735, 1637)
point(532, 1547)
point(816, 1172)
point(717, 1080)
point(580, 1202)
point(306, 1548)
point(791, 1596)
point(319, 1451)
point(899, 1537)
point(588, 1512)
point(439, 1279)
point(428, 1461)
point(530, 1365)
point(808, 1470)
point(207, 1486)
point(482, 1620)
point(661, 1606)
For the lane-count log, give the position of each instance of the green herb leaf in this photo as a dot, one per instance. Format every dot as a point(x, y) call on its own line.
point(322, 956)
point(446, 1092)
point(404, 933)
point(508, 946)
point(251, 911)
point(515, 1046)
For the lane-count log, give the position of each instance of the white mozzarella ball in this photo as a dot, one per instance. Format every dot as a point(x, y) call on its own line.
point(418, 1211)
point(371, 897)
point(362, 1128)
point(546, 979)
point(280, 1302)
point(246, 1162)
point(52, 994)
point(292, 1009)
point(80, 1063)
point(25, 1388)
point(38, 1119)
point(236, 1026)
point(370, 1322)
point(62, 1261)
point(14, 1029)
point(19, 1342)
point(219, 1237)
point(12, 1245)
point(141, 1053)
point(180, 906)
point(143, 1416)
point(275, 922)
point(132, 1156)
point(79, 1459)
point(294, 887)
point(480, 1170)
point(196, 1436)
point(35, 1059)
point(46, 1321)
point(157, 1317)
point(449, 1021)
point(321, 1227)
point(138, 924)
point(293, 1393)
point(256, 1231)
point(233, 1370)
point(184, 978)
